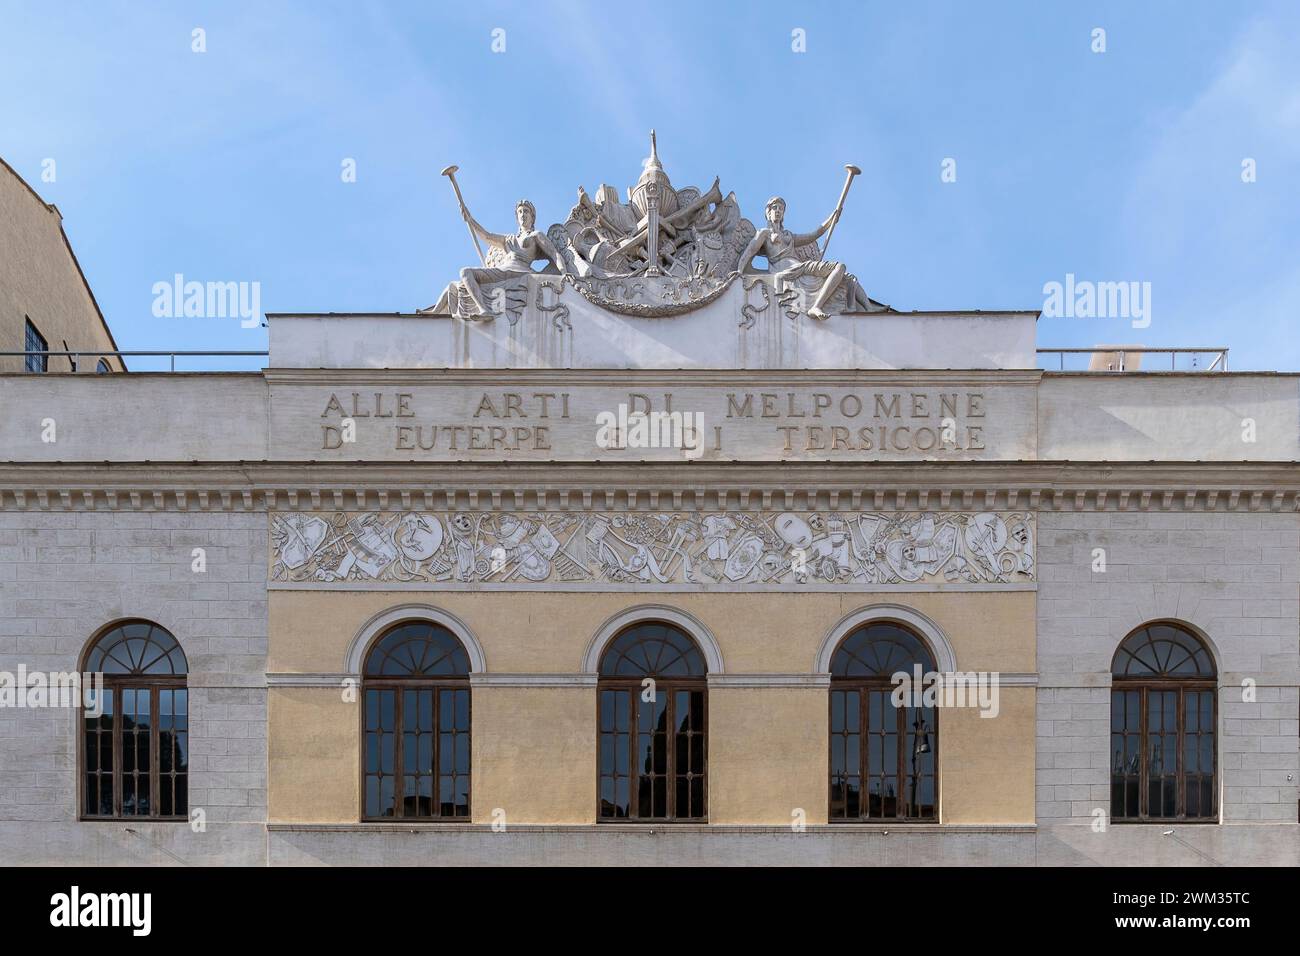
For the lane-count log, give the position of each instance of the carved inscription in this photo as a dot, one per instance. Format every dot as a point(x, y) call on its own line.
point(830, 423)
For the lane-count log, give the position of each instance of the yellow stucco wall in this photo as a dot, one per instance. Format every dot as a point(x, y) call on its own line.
point(313, 756)
point(986, 764)
point(534, 747)
point(548, 632)
point(534, 754)
point(767, 754)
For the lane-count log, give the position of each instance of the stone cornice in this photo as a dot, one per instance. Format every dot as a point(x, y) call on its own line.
point(835, 486)
point(738, 378)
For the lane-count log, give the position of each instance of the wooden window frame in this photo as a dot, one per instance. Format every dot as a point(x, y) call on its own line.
point(438, 686)
point(114, 685)
point(1145, 681)
point(1144, 685)
point(633, 687)
point(863, 687)
point(399, 683)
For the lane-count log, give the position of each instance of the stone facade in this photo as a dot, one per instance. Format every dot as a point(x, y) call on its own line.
point(653, 431)
point(63, 577)
point(1236, 579)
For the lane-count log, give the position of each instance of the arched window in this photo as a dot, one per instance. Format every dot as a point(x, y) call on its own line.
point(136, 742)
point(883, 754)
point(416, 733)
point(1162, 719)
point(653, 693)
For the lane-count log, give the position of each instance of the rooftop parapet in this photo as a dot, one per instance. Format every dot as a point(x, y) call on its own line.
point(743, 328)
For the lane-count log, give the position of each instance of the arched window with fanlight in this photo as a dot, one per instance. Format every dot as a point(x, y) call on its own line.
point(135, 740)
point(883, 754)
point(416, 725)
point(1162, 726)
point(653, 695)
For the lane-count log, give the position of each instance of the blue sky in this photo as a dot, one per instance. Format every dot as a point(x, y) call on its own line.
point(1116, 166)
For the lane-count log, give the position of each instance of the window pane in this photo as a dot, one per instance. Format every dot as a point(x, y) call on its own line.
point(651, 765)
point(1163, 765)
point(33, 341)
point(614, 754)
point(380, 752)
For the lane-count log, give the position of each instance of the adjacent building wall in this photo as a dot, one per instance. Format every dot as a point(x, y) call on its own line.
point(40, 279)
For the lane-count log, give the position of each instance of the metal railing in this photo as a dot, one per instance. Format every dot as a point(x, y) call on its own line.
point(1219, 363)
point(75, 357)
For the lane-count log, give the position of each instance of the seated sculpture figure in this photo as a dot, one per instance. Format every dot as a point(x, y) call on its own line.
point(792, 255)
point(508, 255)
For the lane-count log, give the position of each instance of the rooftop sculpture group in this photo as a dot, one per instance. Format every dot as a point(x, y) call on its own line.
point(663, 252)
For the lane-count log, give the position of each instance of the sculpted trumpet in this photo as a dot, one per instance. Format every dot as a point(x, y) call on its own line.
point(839, 206)
point(450, 173)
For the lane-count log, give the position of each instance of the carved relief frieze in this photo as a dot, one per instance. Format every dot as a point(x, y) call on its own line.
point(678, 549)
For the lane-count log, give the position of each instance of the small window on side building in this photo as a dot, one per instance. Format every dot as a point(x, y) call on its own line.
point(33, 341)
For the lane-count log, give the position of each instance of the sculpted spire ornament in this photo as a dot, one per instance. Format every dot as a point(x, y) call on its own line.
point(665, 251)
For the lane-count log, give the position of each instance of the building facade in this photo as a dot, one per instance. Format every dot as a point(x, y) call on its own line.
point(45, 302)
point(637, 560)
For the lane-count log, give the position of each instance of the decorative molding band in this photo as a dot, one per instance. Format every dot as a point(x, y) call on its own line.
point(900, 831)
point(812, 587)
point(223, 680)
point(811, 681)
point(476, 680)
point(1074, 680)
point(308, 680)
point(646, 377)
point(532, 680)
point(1042, 486)
point(1017, 680)
point(688, 550)
point(1228, 681)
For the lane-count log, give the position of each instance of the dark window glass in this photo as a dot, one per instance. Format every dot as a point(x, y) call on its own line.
point(135, 751)
point(102, 366)
point(416, 734)
point(33, 341)
point(1162, 727)
point(652, 726)
point(883, 755)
